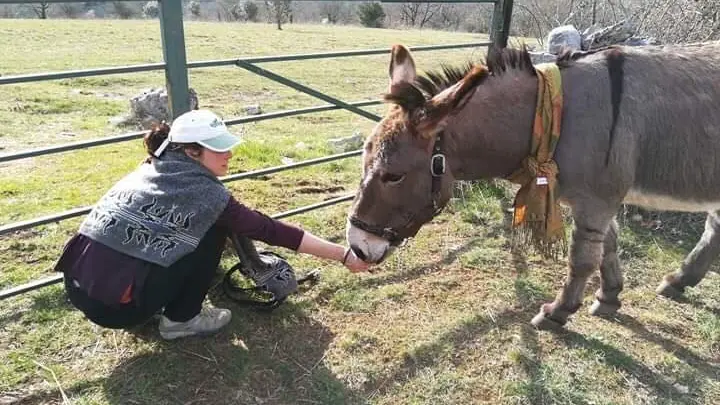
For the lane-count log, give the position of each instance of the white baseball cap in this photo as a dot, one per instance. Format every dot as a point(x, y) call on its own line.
point(202, 127)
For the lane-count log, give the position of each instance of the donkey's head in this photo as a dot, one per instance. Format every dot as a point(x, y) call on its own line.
point(406, 181)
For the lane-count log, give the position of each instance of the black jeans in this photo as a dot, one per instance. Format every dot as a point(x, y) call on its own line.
point(180, 289)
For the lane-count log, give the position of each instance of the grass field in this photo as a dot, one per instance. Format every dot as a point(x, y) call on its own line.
point(445, 320)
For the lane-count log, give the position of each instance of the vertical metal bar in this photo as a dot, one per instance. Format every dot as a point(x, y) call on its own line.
point(173, 43)
point(500, 31)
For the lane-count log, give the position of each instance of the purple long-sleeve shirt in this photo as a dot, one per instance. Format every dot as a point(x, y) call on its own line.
point(109, 276)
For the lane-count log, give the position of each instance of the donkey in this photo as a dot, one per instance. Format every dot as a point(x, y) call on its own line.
point(640, 125)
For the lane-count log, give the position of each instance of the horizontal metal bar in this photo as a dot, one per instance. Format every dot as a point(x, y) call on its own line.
point(381, 1)
point(136, 135)
point(298, 111)
point(328, 55)
point(313, 207)
point(31, 286)
point(307, 90)
point(71, 74)
point(71, 146)
point(276, 169)
point(31, 223)
point(36, 285)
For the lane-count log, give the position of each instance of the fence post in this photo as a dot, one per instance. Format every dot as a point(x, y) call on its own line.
point(502, 15)
point(173, 43)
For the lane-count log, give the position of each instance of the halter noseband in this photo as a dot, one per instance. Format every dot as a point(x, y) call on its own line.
point(396, 235)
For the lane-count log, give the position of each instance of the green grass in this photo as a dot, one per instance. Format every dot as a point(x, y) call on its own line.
point(444, 320)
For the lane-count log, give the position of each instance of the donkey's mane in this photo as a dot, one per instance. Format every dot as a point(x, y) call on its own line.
point(498, 61)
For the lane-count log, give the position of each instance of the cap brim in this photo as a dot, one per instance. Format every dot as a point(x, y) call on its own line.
point(221, 143)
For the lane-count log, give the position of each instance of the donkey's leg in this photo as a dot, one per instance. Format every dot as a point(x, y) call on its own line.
point(697, 263)
point(611, 277)
point(590, 227)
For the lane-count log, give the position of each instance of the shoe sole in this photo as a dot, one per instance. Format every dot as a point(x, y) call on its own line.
point(178, 335)
point(186, 333)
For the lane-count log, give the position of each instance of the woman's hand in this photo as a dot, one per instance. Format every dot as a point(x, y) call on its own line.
point(353, 263)
point(329, 250)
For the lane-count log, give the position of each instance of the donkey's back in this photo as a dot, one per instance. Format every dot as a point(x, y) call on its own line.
point(664, 141)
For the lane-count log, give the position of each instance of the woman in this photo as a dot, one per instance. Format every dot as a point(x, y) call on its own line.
point(153, 242)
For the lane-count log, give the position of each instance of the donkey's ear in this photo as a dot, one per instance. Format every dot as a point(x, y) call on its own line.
point(402, 67)
point(436, 111)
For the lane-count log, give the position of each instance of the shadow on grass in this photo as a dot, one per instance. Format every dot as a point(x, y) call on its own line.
point(461, 338)
point(531, 358)
point(44, 305)
point(424, 269)
point(618, 359)
point(264, 358)
point(682, 353)
point(681, 230)
point(465, 336)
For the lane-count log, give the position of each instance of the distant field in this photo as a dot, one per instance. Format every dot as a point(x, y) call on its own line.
point(443, 321)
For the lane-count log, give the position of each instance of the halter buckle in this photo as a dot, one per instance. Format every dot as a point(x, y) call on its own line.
point(437, 165)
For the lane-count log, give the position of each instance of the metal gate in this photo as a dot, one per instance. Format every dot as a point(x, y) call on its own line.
point(176, 76)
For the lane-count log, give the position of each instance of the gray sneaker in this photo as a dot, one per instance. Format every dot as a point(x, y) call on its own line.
point(207, 322)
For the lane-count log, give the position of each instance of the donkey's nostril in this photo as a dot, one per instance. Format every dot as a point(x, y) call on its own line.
point(358, 252)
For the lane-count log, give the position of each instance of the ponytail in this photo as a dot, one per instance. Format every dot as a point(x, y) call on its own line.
point(157, 135)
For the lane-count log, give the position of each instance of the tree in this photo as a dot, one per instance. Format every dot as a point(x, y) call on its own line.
point(69, 10)
point(418, 13)
point(251, 11)
point(194, 8)
point(371, 15)
point(151, 9)
point(279, 11)
point(124, 10)
point(41, 9)
point(331, 11)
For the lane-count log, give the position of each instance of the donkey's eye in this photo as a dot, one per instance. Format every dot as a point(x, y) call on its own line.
point(392, 178)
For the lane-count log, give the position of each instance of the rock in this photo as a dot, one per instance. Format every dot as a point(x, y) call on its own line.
point(542, 57)
point(613, 34)
point(287, 160)
point(640, 41)
point(346, 144)
point(563, 37)
point(253, 109)
point(300, 146)
point(122, 120)
point(151, 106)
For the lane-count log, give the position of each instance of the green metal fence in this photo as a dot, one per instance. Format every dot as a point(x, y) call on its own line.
point(176, 75)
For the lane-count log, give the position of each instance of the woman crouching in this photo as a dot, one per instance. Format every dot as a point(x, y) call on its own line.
point(153, 242)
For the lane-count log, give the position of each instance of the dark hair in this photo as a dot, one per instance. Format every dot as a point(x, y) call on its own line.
point(157, 136)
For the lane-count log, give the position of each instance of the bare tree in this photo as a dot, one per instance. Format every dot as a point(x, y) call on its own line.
point(449, 17)
point(41, 9)
point(331, 11)
point(419, 14)
point(69, 10)
point(279, 11)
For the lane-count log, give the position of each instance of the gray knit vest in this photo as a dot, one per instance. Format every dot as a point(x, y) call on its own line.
point(160, 211)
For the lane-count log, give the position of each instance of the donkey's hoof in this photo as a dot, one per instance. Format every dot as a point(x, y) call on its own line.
point(542, 322)
point(600, 308)
point(668, 290)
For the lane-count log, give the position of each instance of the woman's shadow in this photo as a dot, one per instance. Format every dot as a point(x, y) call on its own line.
point(262, 357)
